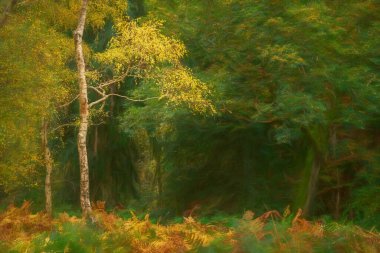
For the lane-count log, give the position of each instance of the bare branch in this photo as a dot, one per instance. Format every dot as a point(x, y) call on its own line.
point(98, 124)
point(100, 92)
point(127, 73)
point(115, 80)
point(61, 126)
point(121, 96)
point(135, 100)
point(102, 106)
point(68, 103)
point(98, 101)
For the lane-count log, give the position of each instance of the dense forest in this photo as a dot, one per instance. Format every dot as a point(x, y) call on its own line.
point(189, 126)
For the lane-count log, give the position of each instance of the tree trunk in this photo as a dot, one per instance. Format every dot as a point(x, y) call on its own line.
point(333, 143)
point(49, 167)
point(84, 112)
point(157, 179)
point(312, 186)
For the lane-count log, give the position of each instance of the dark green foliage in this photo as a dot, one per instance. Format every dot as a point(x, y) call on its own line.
point(296, 82)
point(136, 8)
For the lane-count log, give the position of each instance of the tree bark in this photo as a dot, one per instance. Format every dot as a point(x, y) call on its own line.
point(83, 113)
point(49, 167)
point(317, 157)
point(157, 179)
point(333, 143)
point(159, 182)
point(312, 186)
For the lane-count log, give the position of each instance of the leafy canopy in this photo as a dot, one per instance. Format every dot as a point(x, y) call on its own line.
point(143, 52)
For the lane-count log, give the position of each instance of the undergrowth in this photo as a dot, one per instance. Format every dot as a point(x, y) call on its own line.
point(22, 231)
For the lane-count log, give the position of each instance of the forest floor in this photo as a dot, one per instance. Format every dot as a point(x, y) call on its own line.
point(22, 231)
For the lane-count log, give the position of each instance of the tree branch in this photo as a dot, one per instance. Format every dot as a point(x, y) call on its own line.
point(61, 126)
point(115, 80)
point(101, 93)
point(68, 103)
point(121, 96)
point(120, 78)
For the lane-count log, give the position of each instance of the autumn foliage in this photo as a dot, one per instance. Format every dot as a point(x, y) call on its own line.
point(23, 231)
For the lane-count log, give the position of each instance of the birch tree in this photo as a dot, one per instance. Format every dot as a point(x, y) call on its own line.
point(83, 113)
point(48, 161)
point(137, 51)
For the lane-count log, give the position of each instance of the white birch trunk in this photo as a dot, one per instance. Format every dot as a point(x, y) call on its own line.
point(84, 112)
point(48, 161)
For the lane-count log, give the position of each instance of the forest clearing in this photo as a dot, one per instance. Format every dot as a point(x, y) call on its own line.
point(189, 126)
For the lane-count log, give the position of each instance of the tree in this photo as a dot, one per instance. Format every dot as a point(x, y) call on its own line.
point(48, 161)
point(140, 52)
point(36, 81)
point(30, 64)
point(83, 113)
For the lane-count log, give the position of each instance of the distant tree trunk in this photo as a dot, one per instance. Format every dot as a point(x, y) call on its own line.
point(312, 186)
point(157, 179)
point(333, 143)
point(48, 161)
point(317, 156)
point(84, 112)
